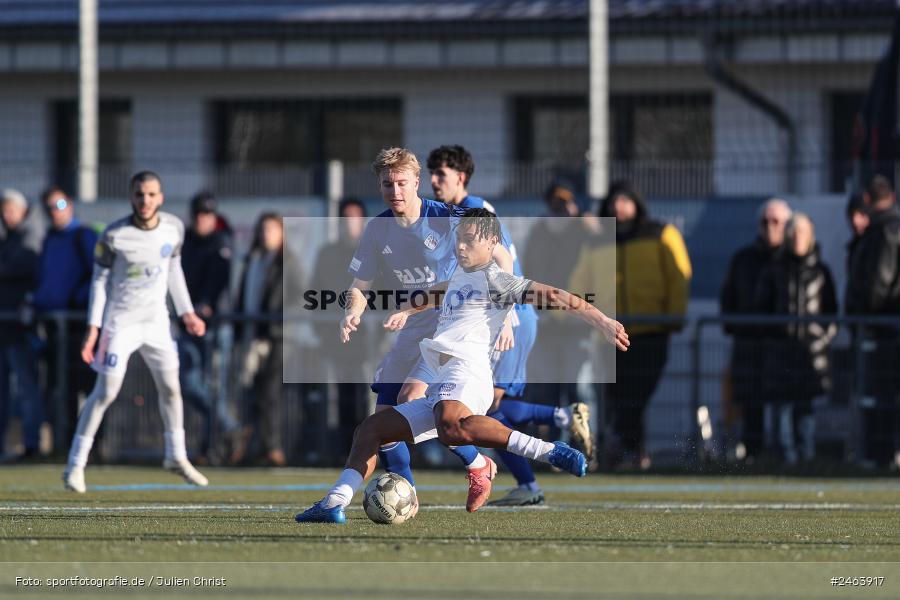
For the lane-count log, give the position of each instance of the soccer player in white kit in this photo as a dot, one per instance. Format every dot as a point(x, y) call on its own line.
point(137, 263)
point(474, 307)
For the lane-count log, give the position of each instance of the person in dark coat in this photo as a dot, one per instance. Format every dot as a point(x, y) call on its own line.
point(270, 273)
point(552, 248)
point(738, 296)
point(653, 273)
point(796, 363)
point(344, 362)
point(64, 279)
point(18, 274)
point(206, 261)
point(858, 221)
point(873, 288)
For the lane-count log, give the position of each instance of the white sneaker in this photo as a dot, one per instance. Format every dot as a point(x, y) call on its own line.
point(580, 429)
point(186, 470)
point(73, 479)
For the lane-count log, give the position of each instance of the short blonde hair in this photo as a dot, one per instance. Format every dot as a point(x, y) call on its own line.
point(396, 159)
point(790, 228)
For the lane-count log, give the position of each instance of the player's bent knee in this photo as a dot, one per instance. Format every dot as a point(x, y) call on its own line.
point(452, 433)
point(369, 430)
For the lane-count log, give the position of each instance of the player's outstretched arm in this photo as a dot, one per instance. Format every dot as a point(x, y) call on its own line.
point(356, 305)
point(547, 296)
point(430, 299)
point(506, 339)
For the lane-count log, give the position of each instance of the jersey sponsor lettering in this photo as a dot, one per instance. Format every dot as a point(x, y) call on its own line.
point(416, 276)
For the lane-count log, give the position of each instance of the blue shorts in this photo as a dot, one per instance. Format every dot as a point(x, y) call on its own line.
point(510, 367)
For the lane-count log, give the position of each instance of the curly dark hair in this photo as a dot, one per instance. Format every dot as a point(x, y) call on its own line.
point(486, 223)
point(456, 157)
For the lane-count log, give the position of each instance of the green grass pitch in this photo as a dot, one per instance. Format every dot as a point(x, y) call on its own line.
point(618, 533)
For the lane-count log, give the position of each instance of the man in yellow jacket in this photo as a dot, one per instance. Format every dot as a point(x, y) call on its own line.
point(653, 273)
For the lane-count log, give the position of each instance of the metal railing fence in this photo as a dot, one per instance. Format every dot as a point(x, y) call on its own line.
point(684, 423)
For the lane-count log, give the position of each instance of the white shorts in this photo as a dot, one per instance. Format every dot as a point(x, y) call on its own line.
point(153, 339)
point(462, 380)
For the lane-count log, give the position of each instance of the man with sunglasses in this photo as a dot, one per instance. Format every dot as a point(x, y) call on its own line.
point(64, 278)
point(737, 296)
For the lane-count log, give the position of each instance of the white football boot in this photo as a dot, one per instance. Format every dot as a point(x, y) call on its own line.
point(73, 479)
point(186, 470)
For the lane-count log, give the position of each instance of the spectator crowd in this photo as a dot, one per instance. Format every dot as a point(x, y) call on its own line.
point(776, 372)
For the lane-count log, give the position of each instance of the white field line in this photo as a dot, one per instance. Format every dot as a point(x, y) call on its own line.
point(600, 506)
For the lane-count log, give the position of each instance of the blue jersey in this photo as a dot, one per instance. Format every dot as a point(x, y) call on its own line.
point(410, 258)
point(406, 258)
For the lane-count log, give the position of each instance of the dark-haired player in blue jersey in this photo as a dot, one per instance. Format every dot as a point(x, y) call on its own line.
point(411, 245)
point(451, 169)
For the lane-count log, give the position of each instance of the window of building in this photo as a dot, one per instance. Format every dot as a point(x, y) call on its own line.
point(844, 107)
point(550, 143)
point(280, 147)
point(664, 143)
point(114, 146)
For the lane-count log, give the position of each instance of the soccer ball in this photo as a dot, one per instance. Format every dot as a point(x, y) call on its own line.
point(389, 499)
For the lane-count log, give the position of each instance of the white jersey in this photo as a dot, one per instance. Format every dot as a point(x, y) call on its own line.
point(473, 312)
point(134, 269)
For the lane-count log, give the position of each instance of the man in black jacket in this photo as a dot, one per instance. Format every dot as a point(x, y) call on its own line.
point(551, 359)
point(329, 273)
point(18, 274)
point(737, 296)
point(873, 288)
point(206, 261)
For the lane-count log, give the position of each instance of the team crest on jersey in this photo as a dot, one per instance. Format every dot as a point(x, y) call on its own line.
point(166, 250)
point(431, 241)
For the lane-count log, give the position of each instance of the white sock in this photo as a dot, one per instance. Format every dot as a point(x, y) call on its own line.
point(81, 448)
point(175, 446)
point(562, 416)
point(531, 487)
point(529, 447)
point(478, 463)
point(343, 490)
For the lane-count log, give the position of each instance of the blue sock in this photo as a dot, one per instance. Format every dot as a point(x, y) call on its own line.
point(517, 465)
point(395, 459)
point(467, 454)
point(526, 413)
